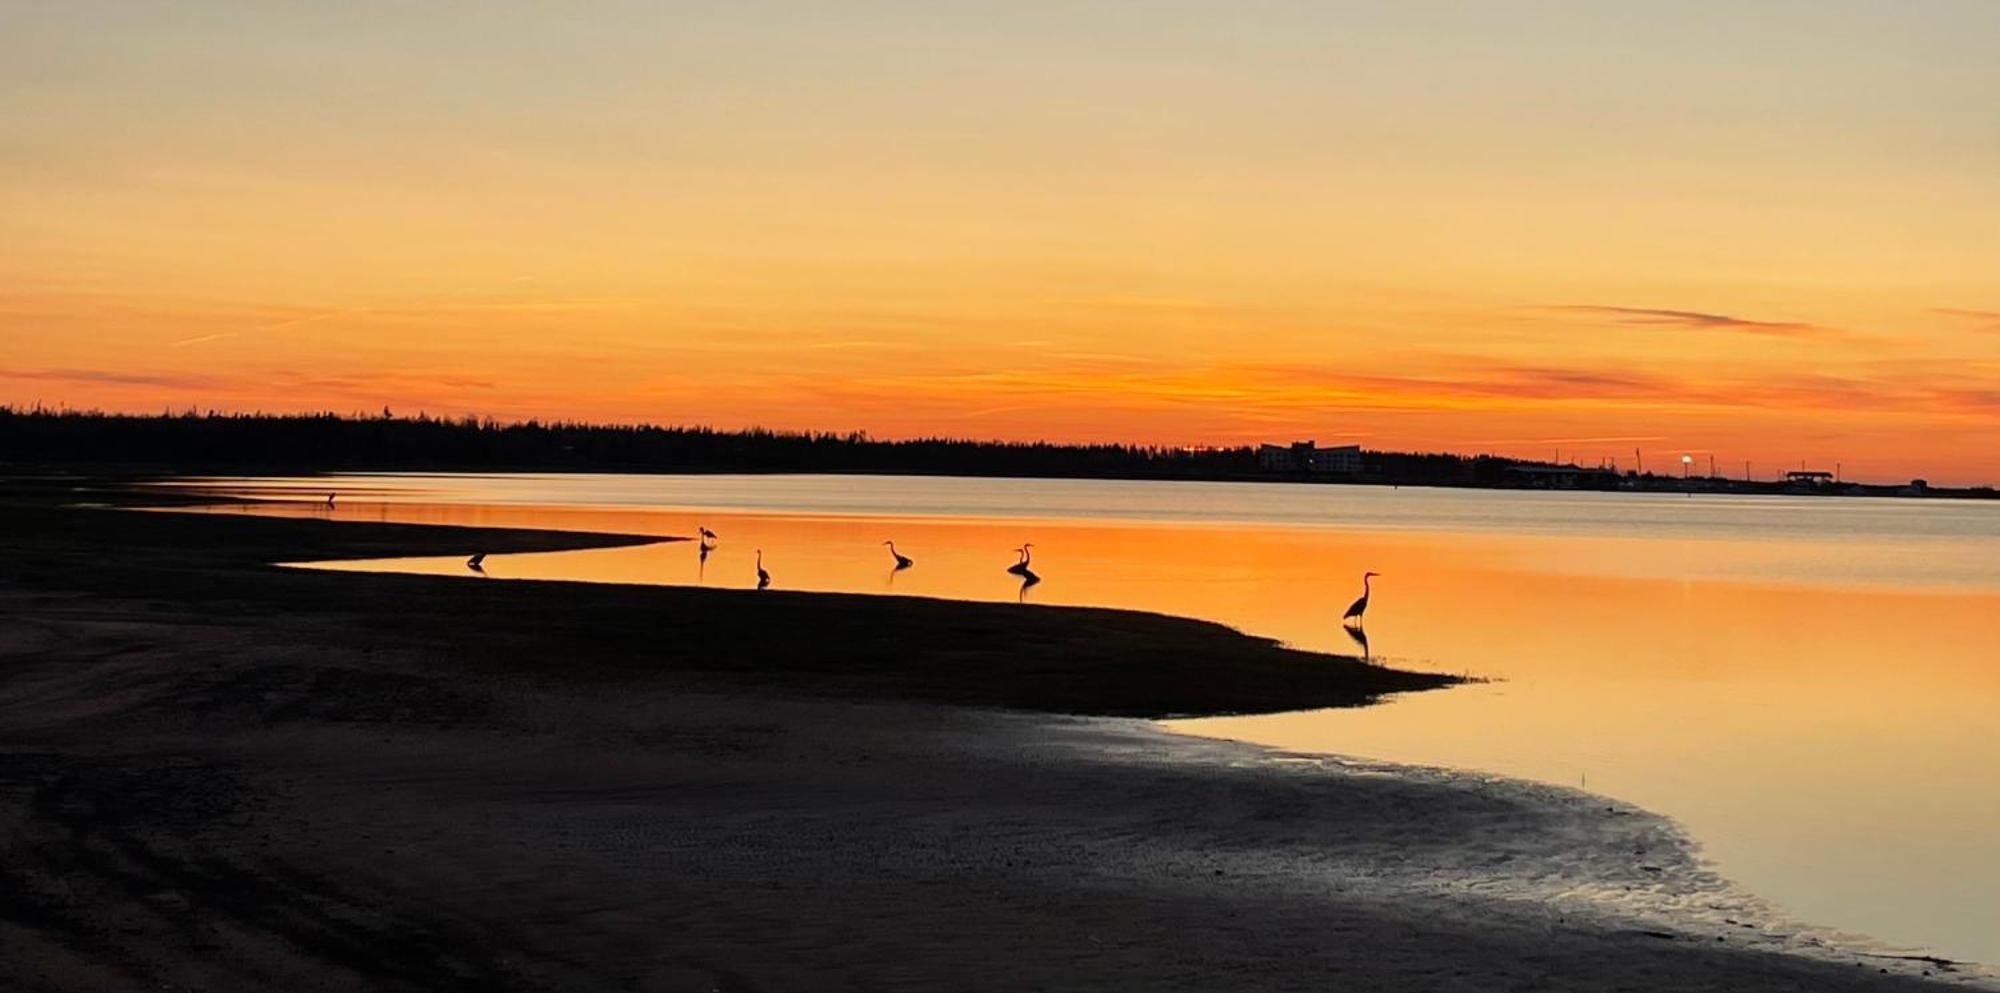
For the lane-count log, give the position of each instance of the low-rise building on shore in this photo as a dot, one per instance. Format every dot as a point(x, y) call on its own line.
point(1306, 456)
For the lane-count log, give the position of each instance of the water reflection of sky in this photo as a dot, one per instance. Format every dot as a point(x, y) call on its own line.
point(1816, 706)
point(1800, 539)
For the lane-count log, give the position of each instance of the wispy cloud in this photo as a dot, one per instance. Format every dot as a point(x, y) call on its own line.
point(110, 378)
point(1696, 319)
point(1601, 440)
point(1988, 320)
point(1966, 400)
point(1158, 305)
point(184, 342)
point(1299, 393)
point(311, 318)
point(363, 386)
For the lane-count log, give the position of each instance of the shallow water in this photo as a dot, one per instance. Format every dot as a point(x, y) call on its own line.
point(1809, 685)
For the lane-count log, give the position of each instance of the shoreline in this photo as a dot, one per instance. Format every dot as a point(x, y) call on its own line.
point(1854, 490)
point(265, 780)
point(1691, 893)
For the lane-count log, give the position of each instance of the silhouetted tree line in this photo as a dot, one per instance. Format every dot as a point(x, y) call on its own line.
point(222, 442)
point(1432, 469)
point(264, 442)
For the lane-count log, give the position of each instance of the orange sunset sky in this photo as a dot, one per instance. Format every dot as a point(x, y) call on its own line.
point(1767, 230)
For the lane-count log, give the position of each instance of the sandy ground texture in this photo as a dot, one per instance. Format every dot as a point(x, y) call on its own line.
point(223, 778)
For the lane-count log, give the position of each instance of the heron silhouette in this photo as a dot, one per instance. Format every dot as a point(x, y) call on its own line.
point(1021, 568)
point(902, 561)
point(763, 578)
point(477, 563)
point(706, 535)
point(1360, 606)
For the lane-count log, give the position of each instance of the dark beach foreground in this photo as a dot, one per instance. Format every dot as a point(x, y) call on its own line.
point(218, 774)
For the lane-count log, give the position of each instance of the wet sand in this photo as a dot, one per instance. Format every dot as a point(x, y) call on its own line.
point(219, 775)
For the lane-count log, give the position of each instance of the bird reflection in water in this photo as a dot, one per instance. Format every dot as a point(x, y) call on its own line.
point(901, 562)
point(1360, 636)
point(704, 541)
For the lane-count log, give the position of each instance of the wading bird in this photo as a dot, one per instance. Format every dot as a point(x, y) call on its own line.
point(1359, 607)
point(902, 561)
point(477, 563)
point(1021, 568)
point(763, 578)
point(706, 535)
point(329, 500)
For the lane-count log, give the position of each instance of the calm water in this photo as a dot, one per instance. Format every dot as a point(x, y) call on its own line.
point(1810, 686)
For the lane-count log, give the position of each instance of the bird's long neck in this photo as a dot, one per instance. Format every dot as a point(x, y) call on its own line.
point(1027, 556)
point(1364, 584)
point(760, 560)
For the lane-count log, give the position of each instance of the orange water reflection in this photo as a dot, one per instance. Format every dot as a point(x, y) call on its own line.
point(1832, 747)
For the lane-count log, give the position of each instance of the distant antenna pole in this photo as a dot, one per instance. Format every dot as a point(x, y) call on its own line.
point(1711, 465)
point(1746, 470)
point(1641, 459)
point(1836, 472)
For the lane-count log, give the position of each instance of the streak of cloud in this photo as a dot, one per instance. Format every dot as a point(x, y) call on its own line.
point(1987, 320)
point(1699, 320)
point(106, 377)
point(1622, 439)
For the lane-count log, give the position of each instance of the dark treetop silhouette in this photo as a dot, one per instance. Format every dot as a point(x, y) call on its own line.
point(222, 442)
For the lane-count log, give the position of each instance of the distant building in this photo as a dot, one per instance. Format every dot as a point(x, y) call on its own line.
point(1305, 456)
point(1809, 477)
point(1541, 476)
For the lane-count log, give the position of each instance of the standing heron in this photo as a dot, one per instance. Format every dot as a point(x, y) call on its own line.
point(763, 578)
point(902, 561)
point(1021, 568)
point(477, 563)
point(1359, 607)
point(706, 535)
